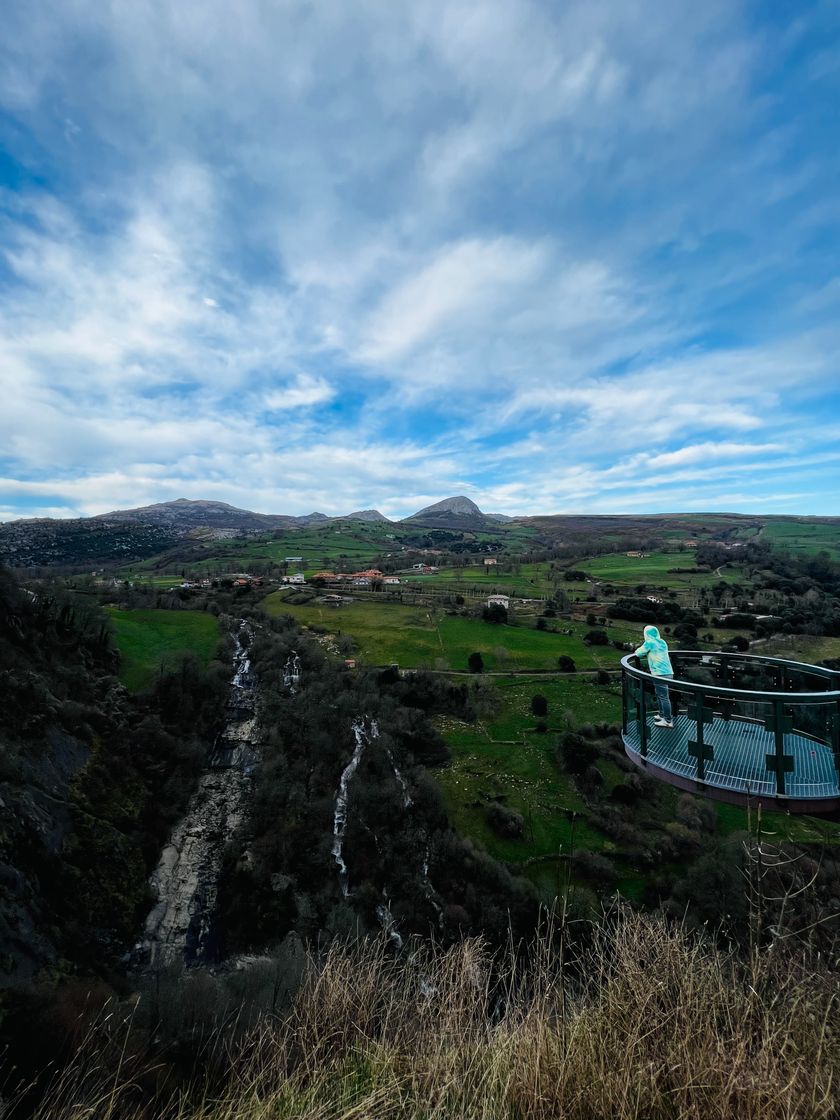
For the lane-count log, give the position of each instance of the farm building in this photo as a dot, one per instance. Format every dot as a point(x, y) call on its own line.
point(296, 577)
point(500, 600)
point(391, 580)
point(490, 561)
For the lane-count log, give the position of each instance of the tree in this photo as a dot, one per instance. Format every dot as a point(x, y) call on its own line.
point(596, 638)
point(539, 704)
point(566, 664)
point(475, 663)
point(495, 612)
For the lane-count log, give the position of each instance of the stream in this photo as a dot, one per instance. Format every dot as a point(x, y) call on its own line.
point(181, 927)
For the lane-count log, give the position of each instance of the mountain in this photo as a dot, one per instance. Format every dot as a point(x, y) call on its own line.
point(185, 514)
point(500, 517)
point(459, 512)
point(364, 515)
point(460, 505)
point(132, 534)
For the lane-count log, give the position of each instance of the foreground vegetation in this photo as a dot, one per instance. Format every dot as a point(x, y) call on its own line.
point(634, 1020)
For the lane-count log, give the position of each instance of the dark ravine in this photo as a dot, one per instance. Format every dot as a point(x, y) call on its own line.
point(182, 926)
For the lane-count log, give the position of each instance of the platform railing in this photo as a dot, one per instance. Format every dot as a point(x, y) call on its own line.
point(747, 723)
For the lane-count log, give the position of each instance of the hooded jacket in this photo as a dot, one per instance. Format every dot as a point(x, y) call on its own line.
point(655, 649)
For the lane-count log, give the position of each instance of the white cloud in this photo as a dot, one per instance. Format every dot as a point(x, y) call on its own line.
point(303, 392)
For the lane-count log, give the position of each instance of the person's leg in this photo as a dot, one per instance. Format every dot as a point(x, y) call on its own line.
point(664, 702)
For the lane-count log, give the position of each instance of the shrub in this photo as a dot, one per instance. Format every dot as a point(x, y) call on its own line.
point(505, 822)
point(566, 664)
point(475, 663)
point(594, 867)
point(575, 753)
point(539, 704)
point(739, 642)
point(596, 638)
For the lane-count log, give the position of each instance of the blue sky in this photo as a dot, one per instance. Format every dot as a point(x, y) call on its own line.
point(578, 257)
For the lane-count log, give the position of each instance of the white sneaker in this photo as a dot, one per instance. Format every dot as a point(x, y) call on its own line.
point(660, 722)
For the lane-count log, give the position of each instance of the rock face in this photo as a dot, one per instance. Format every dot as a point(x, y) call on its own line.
point(181, 927)
point(452, 513)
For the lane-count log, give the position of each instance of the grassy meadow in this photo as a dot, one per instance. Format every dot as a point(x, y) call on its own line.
point(805, 538)
point(652, 569)
point(147, 638)
point(421, 636)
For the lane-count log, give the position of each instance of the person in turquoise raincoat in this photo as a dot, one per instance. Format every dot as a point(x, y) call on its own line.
point(655, 649)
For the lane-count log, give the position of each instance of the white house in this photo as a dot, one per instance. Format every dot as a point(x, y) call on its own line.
point(296, 577)
point(391, 579)
point(489, 561)
point(501, 600)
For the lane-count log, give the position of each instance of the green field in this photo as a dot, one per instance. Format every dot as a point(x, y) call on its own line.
point(618, 568)
point(418, 636)
point(805, 538)
point(527, 581)
point(146, 639)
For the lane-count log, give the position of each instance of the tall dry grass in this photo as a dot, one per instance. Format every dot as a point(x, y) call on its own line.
point(650, 1022)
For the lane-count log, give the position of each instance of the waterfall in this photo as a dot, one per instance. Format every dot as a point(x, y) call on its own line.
point(340, 816)
point(431, 893)
point(241, 660)
point(292, 672)
point(389, 926)
point(182, 924)
point(407, 802)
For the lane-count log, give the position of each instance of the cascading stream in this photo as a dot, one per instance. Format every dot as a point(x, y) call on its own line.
point(181, 926)
point(292, 672)
point(340, 815)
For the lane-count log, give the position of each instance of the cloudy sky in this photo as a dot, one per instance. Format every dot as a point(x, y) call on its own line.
point(558, 256)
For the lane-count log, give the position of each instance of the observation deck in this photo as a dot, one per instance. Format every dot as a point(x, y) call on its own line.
point(747, 729)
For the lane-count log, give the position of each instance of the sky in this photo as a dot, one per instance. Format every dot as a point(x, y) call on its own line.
point(559, 257)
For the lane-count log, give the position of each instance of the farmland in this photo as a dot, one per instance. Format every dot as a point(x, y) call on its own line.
point(416, 637)
point(654, 569)
point(804, 537)
point(147, 639)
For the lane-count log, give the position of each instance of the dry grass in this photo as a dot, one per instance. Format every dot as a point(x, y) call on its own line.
point(650, 1023)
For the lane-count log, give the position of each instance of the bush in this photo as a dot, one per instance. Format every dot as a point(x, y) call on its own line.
point(475, 663)
point(494, 612)
point(566, 664)
point(593, 867)
point(505, 822)
point(539, 704)
point(596, 638)
point(575, 753)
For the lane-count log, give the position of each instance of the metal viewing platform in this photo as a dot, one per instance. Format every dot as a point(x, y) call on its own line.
point(746, 729)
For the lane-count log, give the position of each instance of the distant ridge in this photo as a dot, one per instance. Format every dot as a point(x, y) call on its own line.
point(363, 515)
point(186, 514)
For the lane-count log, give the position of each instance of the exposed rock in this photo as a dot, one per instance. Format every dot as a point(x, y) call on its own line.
point(182, 925)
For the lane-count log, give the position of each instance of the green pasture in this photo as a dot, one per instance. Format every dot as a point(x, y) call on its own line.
point(526, 775)
point(415, 636)
point(806, 538)
point(146, 639)
point(800, 647)
point(528, 581)
point(652, 569)
point(502, 756)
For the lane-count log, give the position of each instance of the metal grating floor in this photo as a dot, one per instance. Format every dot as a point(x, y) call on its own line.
point(739, 757)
